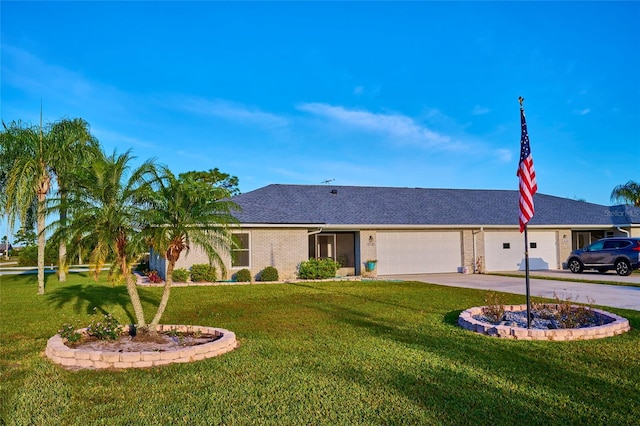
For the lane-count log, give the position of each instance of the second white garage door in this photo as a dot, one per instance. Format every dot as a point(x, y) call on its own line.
point(504, 251)
point(418, 252)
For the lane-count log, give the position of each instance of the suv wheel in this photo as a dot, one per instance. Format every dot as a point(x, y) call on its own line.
point(623, 268)
point(575, 266)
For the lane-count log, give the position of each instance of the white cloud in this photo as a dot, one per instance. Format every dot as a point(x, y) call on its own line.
point(119, 139)
point(230, 111)
point(480, 110)
point(503, 155)
point(399, 127)
point(584, 111)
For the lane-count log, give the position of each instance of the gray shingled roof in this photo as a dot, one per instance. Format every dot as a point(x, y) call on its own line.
point(361, 205)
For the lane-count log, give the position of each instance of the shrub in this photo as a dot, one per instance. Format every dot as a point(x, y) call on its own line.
point(105, 328)
point(180, 275)
point(28, 256)
point(203, 272)
point(269, 274)
point(494, 310)
point(154, 277)
point(69, 333)
point(243, 276)
point(318, 269)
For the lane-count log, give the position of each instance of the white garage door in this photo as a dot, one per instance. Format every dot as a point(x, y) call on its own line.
point(504, 251)
point(418, 252)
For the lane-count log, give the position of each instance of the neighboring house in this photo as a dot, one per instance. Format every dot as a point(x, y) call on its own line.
point(410, 230)
point(4, 247)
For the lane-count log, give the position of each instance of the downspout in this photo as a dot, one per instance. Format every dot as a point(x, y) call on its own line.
point(319, 230)
point(623, 230)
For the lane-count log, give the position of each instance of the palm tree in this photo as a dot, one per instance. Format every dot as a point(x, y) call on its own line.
point(627, 193)
point(110, 204)
point(193, 209)
point(26, 158)
point(76, 148)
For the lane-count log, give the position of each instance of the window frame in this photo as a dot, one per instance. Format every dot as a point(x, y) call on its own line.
point(247, 249)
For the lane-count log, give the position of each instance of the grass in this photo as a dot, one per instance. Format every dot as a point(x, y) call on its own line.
point(319, 353)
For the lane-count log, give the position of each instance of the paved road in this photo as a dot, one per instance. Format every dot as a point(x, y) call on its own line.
point(599, 294)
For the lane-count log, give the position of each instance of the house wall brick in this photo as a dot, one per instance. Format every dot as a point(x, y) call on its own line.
point(563, 237)
point(283, 249)
point(467, 249)
point(368, 250)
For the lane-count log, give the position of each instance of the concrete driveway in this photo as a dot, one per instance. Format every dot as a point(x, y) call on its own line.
point(616, 296)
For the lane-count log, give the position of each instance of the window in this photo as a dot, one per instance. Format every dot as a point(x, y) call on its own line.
point(533, 245)
point(616, 244)
point(240, 250)
point(598, 245)
point(506, 245)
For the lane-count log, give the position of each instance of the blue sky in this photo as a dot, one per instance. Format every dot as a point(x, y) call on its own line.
point(416, 94)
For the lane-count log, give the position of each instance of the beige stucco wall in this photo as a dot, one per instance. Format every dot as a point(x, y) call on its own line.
point(635, 232)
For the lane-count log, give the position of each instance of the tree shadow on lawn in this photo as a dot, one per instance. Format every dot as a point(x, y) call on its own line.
point(520, 380)
point(86, 297)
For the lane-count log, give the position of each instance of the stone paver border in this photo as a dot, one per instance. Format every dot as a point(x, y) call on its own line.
point(614, 325)
point(71, 358)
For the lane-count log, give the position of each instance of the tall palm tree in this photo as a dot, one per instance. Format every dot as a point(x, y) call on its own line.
point(26, 156)
point(191, 210)
point(76, 149)
point(110, 203)
point(627, 193)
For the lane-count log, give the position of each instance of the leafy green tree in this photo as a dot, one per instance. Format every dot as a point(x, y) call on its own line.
point(25, 237)
point(192, 209)
point(26, 158)
point(628, 193)
point(110, 203)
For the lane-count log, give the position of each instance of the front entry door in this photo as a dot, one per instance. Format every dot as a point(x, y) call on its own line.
point(582, 240)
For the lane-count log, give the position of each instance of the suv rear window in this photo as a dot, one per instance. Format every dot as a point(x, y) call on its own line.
point(616, 244)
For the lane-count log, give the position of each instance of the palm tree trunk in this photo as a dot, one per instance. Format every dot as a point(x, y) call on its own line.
point(41, 243)
point(62, 248)
point(165, 294)
point(133, 294)
point(62, 262)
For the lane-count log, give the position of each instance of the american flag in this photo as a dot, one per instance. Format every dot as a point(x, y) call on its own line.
point(527, 175)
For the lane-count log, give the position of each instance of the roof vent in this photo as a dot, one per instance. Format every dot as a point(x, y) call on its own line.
point(334, 191)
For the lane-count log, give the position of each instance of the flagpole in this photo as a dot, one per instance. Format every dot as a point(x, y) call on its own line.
point(527, 188)
point(526, 275)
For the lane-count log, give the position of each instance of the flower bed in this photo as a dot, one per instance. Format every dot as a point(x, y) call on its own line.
point(605, 325)
point(96, 358)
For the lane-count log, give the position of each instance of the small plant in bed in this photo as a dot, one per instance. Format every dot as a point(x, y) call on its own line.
point(105, 328)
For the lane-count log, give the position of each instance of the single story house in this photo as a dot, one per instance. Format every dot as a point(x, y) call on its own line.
point(4, 247)
point(409, 230)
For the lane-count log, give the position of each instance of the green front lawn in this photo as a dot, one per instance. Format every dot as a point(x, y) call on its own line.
point(316, 353)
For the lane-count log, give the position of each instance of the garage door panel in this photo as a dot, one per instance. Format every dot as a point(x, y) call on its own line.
point(504, 251)
point(418, 252)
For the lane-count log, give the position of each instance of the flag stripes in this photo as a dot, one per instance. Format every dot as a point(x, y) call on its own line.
point(527, 175)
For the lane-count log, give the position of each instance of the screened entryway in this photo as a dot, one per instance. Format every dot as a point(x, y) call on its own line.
point(339, 246)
